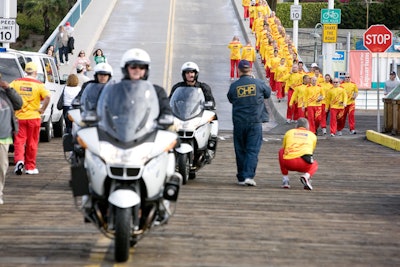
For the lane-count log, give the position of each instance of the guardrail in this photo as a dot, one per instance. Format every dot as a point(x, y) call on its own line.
point(73, 16)
point(367, 99)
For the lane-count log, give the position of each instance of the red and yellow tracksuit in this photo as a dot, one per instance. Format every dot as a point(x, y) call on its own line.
point(296, 143)
point(336, 101)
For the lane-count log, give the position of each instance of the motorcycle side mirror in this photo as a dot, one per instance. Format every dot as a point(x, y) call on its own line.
point(166, 120)
point(76, 103)
point(209, 105)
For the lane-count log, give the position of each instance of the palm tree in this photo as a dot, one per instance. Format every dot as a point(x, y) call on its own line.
point(51, 10)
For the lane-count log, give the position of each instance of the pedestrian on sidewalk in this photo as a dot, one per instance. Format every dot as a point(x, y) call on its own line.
point(10, 101)
point(248, 113)
point(296, 154)
point(81, 76)
point(62, 44)
point(235, 47)
point(70, 91)
point(83, 61)
point(98, 56)
point(35, 98)
point(71, 41)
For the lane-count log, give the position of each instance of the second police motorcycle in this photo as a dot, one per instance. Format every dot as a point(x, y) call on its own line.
point(197, 127)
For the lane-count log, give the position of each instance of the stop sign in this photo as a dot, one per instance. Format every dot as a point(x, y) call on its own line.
point(378, 38)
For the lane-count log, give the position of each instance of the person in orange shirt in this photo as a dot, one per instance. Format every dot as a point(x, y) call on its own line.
point(297, 100)
point(313, 103)
point(26, 142)
point(292, 81)
point(336, 101)
point(296, 154)
point(326, 87)
point(249, 53)
point(235, 46)
point(352, 93)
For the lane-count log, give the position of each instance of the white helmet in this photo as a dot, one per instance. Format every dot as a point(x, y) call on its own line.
point(135, 56)
point(190, 66)
point(103, 68)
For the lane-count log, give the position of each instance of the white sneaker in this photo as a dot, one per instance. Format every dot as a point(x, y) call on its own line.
point(19, 167)
point(242, 183)
point(34, 171)
point(332, 135)
point(353, 132)
point(324, 131)
point(288, 121)
point(285, 184)
point(306, 182)
point(250, 182)
point(1, 201)
point(339, 133)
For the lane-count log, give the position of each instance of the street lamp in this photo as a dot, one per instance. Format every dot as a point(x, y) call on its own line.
point(316, 36)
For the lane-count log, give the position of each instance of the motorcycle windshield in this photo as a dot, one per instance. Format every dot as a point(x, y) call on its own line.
point(90, 96)
point(187, 102)
point(128, 110)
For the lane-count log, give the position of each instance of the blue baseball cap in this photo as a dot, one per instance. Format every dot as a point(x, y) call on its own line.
point(244, 64)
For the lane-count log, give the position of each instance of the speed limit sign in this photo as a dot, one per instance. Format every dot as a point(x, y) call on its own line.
point(295, 12)
point(8, 29)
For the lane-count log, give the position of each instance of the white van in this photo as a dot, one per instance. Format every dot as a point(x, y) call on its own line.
point(12, 64)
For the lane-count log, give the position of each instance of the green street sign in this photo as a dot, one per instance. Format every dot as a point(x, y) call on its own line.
point(330, 16)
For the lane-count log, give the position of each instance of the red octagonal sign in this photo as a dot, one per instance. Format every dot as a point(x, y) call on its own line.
point(378, 38)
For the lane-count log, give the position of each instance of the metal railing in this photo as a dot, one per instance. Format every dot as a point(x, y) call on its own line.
point(367, 99)
point(73, 17)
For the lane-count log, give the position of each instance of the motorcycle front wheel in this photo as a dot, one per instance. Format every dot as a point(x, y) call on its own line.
point(184, 167)
point(122, 233)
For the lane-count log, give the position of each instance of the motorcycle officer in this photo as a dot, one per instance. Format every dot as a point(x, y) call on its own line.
point(88, 96)
point(135, 65)
point(91, 90)
point(190, 74)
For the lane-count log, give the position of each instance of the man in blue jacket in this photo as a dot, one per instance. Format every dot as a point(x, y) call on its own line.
point(247, 96)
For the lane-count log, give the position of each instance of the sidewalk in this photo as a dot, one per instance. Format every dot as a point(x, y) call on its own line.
point(88, 30)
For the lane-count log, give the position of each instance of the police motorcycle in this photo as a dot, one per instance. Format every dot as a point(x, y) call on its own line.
point(86, 102)
point(123, 171)
point(194, 123)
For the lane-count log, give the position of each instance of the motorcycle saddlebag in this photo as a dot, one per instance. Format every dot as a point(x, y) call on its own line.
point(79, 180)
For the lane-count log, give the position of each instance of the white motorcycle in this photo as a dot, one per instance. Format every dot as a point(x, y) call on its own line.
point(197, 129)
point(123, 171)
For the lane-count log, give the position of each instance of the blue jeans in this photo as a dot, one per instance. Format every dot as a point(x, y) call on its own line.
point(247, 140)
